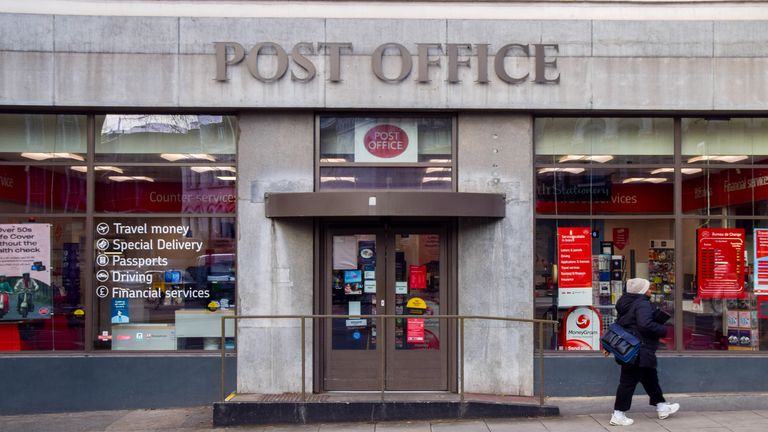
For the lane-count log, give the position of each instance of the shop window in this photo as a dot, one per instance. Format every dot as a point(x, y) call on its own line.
point(40, 138)
point(724, 285)
point(594, 140)
point(42, 284)
point(386, 153)
point(44, 189)
point(725, 141)
point(580, 288)
point(163, 283)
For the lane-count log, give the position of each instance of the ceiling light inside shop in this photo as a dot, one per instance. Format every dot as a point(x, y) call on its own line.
point(131, 178)
point(227, 178)
point(440, 161)
point(333, 160)
point(437, 170)
point(728, 159)
point(205, 169)
point(435, 179)
point(683, 170)
point(46, 156)
point(586, 158)
point(81, 168)
point(644, 180)
point(568, 170)
point(340, 179)
point(173, 157)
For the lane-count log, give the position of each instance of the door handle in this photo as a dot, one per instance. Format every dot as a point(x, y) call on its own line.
point(382, 302)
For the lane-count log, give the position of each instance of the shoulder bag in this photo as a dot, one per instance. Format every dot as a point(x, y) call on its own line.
point(621, 343)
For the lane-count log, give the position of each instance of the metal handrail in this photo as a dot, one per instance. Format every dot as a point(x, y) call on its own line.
point(381, 320)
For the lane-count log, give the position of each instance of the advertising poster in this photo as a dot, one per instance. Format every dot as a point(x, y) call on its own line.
point(387, 141)
point(25, 272)
point(761, 261)
point(120, 311)
point(720, 262)
point(417, 277)
point(583, 328)
point(415, 331)
point(574, 257)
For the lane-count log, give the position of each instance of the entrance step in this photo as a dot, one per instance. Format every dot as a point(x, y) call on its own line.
point(292, 408)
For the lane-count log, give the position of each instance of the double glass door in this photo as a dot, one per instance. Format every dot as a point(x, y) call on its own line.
point(385, 271)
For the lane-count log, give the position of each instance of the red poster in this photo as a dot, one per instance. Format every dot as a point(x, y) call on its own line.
point(761, 261)
point(415, 331)
point(574, 257)
point(417, 276)
point(620, 238)
point(720, 262)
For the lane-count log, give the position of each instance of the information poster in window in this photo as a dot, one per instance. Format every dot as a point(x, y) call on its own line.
point(415, 332)
point(386, 141)
point(574, 258)
point(761, 261)
point(25, 272)
point(720, 262)
point(417, 276)
point(583, 327)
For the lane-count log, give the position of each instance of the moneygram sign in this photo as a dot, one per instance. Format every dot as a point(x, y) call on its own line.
point(582, 329)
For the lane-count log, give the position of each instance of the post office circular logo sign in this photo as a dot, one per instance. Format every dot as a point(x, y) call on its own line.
point(386, 141)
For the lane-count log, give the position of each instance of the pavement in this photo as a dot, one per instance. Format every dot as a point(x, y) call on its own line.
point(743, 412)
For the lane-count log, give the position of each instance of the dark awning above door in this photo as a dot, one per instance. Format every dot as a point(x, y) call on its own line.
point(384, 203)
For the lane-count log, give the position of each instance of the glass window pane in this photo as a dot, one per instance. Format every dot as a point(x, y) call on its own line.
point(42, 189)
point(46, 310)
point(720, 305)
point(353, 293)
point(432, 178)
point(724, 141)
point(204, 139)
point(42, 137)
point(603, 140)
point(388, 139)
point(164, 283)
point(163, 189)
point(725, 191)
point(619, 250)
point(417, 275)
point(603, 191)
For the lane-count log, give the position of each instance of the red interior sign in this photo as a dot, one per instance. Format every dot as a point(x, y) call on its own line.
point(720, 262)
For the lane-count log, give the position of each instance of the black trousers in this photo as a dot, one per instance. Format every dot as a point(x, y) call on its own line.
point(630, 376)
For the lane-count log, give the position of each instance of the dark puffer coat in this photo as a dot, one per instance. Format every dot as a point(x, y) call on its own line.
point(636, 315)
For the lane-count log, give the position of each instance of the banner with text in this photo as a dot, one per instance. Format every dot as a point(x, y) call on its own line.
point(720, 262)
point(25, 272)
point(574, 258)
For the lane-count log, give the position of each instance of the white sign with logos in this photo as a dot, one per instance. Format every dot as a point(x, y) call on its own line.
point(583, 328)
point(385, 141)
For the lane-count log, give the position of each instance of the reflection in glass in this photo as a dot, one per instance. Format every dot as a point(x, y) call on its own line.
point(41, 189)
point(162, 189)
point(603, 140)
point(725, 141)
point(166, 138)
point(726, 192)
point(365, 178)
point(42, 137)
point(417, 284)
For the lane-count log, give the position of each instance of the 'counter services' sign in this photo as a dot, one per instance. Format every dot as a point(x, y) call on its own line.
point(720, 262)
point(574, 257)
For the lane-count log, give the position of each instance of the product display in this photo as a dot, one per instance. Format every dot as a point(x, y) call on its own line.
point(661, 271)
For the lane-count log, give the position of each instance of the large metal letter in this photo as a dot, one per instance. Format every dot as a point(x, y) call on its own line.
point(334, 48)
point(454, 62)
point(253, 61)
point(425, 62)
point(482, 64)
point(541, 64)
point(501, 71)
point(221, 58)
point(377, 58)
point(303, 62)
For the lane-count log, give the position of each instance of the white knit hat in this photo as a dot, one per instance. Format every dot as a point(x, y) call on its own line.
point(638, 286)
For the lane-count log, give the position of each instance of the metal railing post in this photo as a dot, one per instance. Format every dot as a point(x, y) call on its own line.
point(382, 358)
point(541, 363)
point(461, 359)
point(223, 357)
point(303, 363)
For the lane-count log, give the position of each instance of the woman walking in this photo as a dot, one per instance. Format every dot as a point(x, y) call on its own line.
point(636, 315)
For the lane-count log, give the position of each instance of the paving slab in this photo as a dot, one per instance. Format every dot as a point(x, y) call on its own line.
point(580, 423)
point(735, 419)
point(66, 422)
point(515, 425)
point(154, 419)
point(686, 422)
point(347, 427)
point(642, 423)
point(460, 426)
point(403, 427)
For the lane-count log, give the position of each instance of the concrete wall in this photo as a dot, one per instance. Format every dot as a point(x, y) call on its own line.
point(56, 60)
point(496, 256)
point(275, 257)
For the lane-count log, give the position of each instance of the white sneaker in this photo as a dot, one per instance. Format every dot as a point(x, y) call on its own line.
point(665, 409)
point(619, 419)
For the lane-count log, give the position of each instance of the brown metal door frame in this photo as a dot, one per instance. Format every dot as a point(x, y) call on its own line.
point(325, 229)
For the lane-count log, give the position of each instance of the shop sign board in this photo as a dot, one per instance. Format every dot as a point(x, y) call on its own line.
point(25, 263)
point(720, 262)
point(761, 261)
point(583, 328)
point(574, 257)
point(393, 141)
